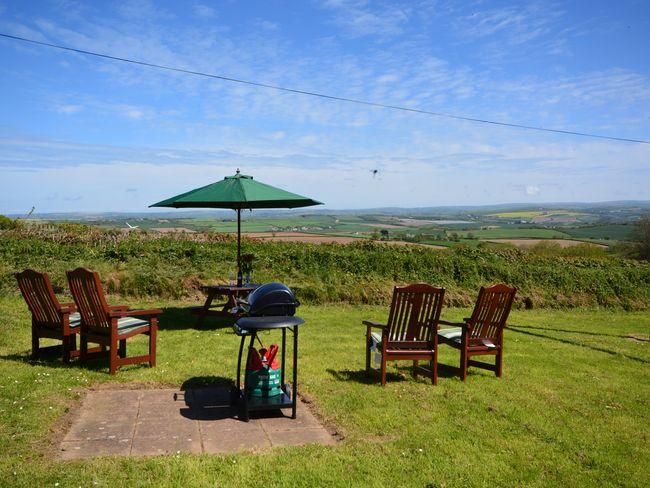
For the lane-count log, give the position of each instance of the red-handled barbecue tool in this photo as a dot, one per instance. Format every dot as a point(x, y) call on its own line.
point(270, 357)
point(255, 361)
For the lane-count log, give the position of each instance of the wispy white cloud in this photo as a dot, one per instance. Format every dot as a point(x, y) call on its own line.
point(204, 11)
point(69, 109)
point(515, 24)
point(362, 18)
point(532, 190)
point(408, 178)
point(266, 25)
point(205, 122)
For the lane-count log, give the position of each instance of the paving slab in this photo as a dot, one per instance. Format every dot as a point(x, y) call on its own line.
point(298, 437)
point(236, 441)
point(85, 449)
point(168, 421)
point(160, 446)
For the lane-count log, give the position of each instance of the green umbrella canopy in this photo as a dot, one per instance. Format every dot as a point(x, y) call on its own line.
point(237, 192)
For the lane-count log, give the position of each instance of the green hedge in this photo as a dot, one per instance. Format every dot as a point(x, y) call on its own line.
point(143, 264)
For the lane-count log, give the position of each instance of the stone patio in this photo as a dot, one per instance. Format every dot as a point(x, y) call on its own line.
point(153, 422)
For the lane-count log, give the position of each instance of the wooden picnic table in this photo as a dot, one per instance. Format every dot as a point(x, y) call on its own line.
point(231, 292)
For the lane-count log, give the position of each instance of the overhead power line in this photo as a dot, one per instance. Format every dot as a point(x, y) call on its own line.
point(321, 95)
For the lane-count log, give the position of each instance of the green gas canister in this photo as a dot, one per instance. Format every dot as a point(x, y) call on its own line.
point(263, 373)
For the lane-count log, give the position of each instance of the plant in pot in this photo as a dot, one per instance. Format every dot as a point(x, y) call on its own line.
point(247, 267)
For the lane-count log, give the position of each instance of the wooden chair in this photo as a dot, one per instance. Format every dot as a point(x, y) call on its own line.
point(110, 325)
point(50, 319)
point(410, 331)
point(482, 333)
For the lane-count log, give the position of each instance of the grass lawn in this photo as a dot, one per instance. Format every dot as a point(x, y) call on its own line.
point(571, 410)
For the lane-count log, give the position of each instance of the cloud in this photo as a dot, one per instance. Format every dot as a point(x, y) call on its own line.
point(69, 109)
point(361, 18)
point(441, 174)
point(532, 190)
point(133, 113)
point(204, 11)
point(266, 25)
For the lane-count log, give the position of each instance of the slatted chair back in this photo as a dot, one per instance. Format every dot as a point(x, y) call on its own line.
point(491, 311)
point(88, 295)
point(37, 291)
point(414, 312)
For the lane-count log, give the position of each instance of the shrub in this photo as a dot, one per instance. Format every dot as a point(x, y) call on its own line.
point(7, 224)
point(171, 266)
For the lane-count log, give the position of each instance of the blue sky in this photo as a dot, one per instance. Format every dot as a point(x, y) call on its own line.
point(85, 134)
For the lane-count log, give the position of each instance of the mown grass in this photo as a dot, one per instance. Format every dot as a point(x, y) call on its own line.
point(571, 410)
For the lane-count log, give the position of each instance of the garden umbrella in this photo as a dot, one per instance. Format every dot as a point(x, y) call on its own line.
point(237, 192)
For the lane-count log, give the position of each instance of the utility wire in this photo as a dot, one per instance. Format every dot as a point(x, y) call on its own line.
point(321, 95)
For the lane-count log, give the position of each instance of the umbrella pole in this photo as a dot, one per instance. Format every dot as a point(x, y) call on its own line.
point(239, 274)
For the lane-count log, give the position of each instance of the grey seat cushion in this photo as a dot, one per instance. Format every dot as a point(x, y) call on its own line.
point(376, 338)
point(456, 335)
point(127, 324)
point(75, 320)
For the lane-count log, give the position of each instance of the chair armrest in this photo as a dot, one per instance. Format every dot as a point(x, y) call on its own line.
point(132, 313)
point(372, 323)
point(118, 308)
point(68, 308)
point(455, 324)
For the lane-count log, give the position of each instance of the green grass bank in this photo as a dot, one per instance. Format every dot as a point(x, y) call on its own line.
point(147, 264)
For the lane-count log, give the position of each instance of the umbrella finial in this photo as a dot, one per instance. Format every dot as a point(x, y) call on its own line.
point(237, 170)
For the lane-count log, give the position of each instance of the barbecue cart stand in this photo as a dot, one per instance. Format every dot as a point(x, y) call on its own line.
point(249, 327)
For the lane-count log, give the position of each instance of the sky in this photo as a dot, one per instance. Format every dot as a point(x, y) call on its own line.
point(83, 134)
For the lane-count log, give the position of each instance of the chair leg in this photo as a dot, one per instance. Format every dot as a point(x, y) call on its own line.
point(83, 349)
point(112, 365)
point(153, 332)
point(35, 345)
point(434, 370)
point(415, 369)
point(367, 356)
point(463, 364)
point(383, 369)
point(499, 364)
point(122, 349)
point(67, 348)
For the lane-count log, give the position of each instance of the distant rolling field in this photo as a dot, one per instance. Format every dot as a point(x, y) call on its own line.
point(531, 214)
point(617, 232)
point(525, 243)
point(511, 233)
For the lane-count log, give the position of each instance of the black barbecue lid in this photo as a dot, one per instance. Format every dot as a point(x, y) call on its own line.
point(271, 288)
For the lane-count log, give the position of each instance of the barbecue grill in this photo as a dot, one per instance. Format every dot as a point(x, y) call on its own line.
point(270, 306)
point(272, 299)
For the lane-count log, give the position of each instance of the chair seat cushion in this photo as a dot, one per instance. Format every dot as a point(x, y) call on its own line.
point(456, 335)
point(127, 324)
point(75, 320)
point(375, 337)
